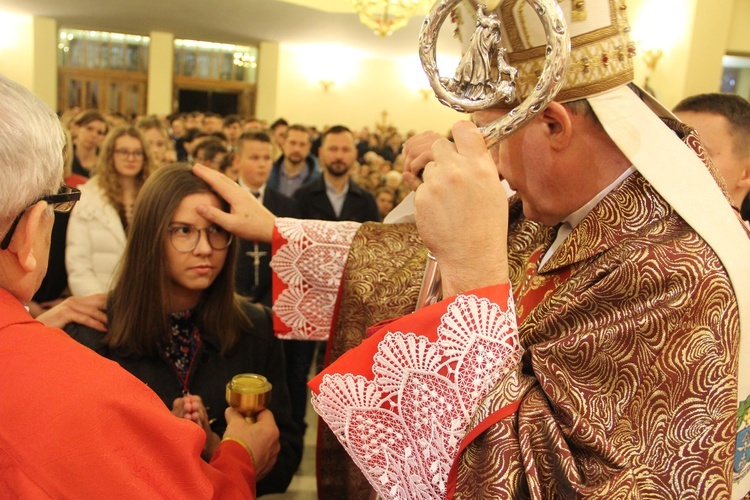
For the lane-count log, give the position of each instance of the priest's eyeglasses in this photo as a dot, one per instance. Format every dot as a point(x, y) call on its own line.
point(62, 201)
point(185, 237)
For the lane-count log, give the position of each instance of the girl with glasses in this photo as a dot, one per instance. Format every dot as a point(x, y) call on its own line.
point(98, 225)
point(175, 322)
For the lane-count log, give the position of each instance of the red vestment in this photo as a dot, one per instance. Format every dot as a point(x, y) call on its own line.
point(76, 425)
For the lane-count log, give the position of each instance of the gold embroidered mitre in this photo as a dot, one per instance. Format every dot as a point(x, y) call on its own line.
point(601, 56)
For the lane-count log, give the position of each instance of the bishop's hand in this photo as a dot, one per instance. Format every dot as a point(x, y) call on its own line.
point(462, 212)
point(247, 218)
point(417, 154)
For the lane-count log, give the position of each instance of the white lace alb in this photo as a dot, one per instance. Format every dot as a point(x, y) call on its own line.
point(403, 429)
point(311, 264)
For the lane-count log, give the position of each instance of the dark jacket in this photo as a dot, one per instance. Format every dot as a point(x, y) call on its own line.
point(313, 171)
point(313, 203)
point(257, 351)
point(244, 274)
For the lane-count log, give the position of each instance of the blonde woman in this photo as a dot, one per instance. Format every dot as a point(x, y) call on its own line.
point(96, 232)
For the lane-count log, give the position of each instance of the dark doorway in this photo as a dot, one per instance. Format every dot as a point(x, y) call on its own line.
point(224, 103)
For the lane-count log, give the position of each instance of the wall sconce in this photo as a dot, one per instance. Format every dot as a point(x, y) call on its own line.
point(426, 93)
point(326, 84)
point(651, 57)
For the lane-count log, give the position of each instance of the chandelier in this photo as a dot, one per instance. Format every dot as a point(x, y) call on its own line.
point(386, 16)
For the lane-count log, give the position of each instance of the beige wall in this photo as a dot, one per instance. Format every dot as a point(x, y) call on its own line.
point(739, 33)
point(362, 90)
point(28, 53)
point(712, 21)
point(45, 60)
point(694, 35)
point(161, 62)
point(17, 48)
point(289, 79)
point(268, 75)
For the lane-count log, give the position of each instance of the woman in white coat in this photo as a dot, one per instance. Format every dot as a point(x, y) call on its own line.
point(98, 224)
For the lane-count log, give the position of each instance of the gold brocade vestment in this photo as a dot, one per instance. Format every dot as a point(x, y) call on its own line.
point(628, 383)
point(382, 281)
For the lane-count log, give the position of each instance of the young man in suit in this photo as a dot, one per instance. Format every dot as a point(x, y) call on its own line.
point(254, 158)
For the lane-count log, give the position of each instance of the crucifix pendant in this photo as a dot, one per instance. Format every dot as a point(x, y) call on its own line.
point(256, 254)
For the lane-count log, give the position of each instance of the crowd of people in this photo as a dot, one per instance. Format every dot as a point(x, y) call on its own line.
point(205, 314)
point(589, 339)
point(208, 301)
point(120, 153)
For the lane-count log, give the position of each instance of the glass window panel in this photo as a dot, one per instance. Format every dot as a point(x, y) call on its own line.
point(92, 100)
point(177, 62)
point(92, 54)
point(227, 66)
point(115, 56)
point(115, 96)
point(104, 49)
point(218, 61)
point(188, 68)
point(736, 76)
point(202, 65)
point(74, 93)
point(132, 100)
point(132, 57)
point(97, 49)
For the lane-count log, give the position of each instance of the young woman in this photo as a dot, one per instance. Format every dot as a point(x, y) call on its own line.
point(96, 231)
point(157, 138)
point(88, 128)
point(176, 323)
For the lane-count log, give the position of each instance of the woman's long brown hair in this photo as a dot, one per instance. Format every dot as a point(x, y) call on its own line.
point(138, 305)
point(109, 179)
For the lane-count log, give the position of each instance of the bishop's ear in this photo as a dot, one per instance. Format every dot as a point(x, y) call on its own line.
point(744, 181)
point(26, 233)
point(558, 125)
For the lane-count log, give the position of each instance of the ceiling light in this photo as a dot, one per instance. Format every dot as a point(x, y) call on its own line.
point(386, 16)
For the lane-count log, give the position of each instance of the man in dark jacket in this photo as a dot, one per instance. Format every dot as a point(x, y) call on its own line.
point(296, 166)
point(335, 196)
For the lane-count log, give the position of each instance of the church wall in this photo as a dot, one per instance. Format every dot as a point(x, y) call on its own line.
point(45, 60)
point(361, 89)
point(268, 75)
point(713, 20)
point(161, 57)
point(739, 38)
point(288, 87)
point(693, 35)
point(17, 48)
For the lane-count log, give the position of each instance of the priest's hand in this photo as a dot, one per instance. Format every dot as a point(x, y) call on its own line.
point(262, 438)
point(417, 153)
point(462, 212)
point(191, 407)
point(87, 311)
point(247, 218)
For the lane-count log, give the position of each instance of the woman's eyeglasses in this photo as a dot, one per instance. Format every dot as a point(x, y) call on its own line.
point(185, 237)
point(62, 201)
point(126, 153)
